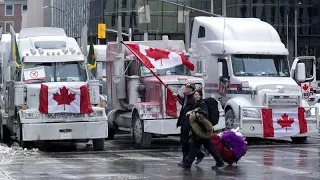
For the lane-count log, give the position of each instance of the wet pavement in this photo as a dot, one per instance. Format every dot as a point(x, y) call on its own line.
point(267, 160)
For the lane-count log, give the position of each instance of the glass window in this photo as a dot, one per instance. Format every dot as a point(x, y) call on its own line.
point(8, 23)
point(9, 10)
point(24, 8)
point(62, 72)
point(260, 65)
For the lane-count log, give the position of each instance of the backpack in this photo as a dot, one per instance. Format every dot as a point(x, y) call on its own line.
point(213, 109)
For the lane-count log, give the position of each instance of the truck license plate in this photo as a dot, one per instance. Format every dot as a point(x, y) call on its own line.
point(65, 133)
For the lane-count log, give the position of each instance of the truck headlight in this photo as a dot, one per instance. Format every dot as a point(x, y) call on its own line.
point(32, 115)
point(96, 114)
point(152, 109)
point(250, 113)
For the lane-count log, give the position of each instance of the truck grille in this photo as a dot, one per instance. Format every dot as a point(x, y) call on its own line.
point(64, 115)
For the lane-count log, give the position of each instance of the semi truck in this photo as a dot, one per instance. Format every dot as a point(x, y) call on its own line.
point(137, 100)
point(245, 65)
point(47, 91)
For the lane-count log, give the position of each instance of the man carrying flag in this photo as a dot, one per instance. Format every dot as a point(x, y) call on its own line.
point(91, 59)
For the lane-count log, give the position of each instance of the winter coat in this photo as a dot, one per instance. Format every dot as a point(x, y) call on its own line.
point(203, 108)
point(187, 106)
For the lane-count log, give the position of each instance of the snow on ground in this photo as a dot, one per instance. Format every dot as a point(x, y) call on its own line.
point(15, 149)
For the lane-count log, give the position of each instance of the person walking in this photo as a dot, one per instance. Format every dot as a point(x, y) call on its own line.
point(196, 141)
point(187, 103)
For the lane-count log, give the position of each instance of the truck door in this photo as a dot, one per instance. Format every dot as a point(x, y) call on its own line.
point(308, 87)
point(224, 82)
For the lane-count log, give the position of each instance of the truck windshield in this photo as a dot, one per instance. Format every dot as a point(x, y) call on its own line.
point(55, 72)
point(260, 65)
point(178, 70)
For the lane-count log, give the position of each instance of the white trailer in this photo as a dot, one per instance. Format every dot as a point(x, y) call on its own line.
point(49, 59)
point(245, 65)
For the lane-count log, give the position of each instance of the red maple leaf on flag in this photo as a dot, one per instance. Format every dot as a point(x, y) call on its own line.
point(64, 97)
point(285, 122)
point(157, 54)
point(305, 87)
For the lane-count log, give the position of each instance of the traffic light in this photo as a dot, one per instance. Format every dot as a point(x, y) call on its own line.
point(102, 31)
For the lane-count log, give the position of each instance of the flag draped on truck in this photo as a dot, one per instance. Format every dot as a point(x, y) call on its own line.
point(16, 51)
point(91, 59)
point(64, 99)
point(283, 122)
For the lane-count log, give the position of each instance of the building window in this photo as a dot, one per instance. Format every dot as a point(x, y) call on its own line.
point(7, 24)
point(9, 10)
point(24, 8)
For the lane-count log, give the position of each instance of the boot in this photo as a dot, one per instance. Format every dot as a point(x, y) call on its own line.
point(200, 157)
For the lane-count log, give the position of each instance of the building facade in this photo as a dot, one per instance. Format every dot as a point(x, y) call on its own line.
point(164, 18)
point(11, 14)
point(70, 15)
point(37, 15)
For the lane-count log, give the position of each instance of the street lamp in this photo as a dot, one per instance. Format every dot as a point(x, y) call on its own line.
point(296, 31)
point(64, 13)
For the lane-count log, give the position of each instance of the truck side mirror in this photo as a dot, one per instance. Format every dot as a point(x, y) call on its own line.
point(99, 70)
point(219, 69)
point(301, 72)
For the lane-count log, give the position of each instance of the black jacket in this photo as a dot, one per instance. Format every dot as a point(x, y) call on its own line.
point(183, 120)
point(203, 107)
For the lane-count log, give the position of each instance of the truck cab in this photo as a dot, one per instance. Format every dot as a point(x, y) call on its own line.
point(48, 93)
point(148, 108)
point(245, 65)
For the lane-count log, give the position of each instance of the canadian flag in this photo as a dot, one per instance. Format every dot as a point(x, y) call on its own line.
point(57, 98)
point(158, 58)
point(283, 122)
point(172, 105)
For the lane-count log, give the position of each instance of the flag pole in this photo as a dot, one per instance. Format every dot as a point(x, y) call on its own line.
point(154, 74)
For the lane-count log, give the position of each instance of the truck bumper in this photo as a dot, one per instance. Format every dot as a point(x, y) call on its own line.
point(65, 131)
point(161, 126)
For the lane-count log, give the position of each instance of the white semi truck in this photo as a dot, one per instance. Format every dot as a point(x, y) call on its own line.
point(245, 65)
point(50, 96)
point(137, 100)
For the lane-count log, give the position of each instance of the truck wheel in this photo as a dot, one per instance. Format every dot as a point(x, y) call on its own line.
point(298, 140)
point(111, 133)
point(142, 139)
point(98, 144)
point(4, 134)
point(229, 119)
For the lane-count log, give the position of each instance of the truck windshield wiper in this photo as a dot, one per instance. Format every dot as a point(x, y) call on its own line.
point(249, 74)
point(272, 74)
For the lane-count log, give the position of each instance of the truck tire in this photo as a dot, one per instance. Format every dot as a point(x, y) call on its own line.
point(229, 118)
point(4, 134)
point(98, 144)
point(141, 138)
point(298, 140)
point(111, 133)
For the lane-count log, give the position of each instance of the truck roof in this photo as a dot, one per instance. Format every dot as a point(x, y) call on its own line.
point(41, 31)
point(241, 35)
